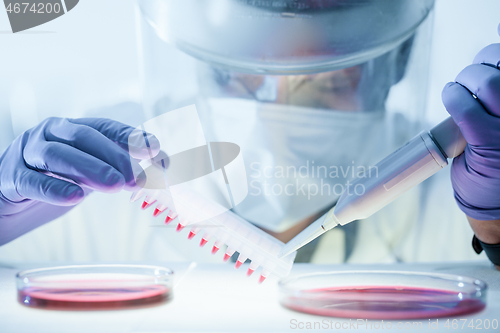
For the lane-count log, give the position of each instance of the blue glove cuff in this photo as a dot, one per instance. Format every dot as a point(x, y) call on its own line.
point(492, 250)
point(481, 214)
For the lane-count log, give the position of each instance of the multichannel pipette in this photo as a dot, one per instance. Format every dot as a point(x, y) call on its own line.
point(407, 167)
point(226, 228)
point(197, 185)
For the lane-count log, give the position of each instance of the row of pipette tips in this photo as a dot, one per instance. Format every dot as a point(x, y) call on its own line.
point(171, 216)
point(228, 254)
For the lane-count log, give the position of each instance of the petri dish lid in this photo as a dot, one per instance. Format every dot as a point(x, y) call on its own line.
point(383, 294)
point(94, 287)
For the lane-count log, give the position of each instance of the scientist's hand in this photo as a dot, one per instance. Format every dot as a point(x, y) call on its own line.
point(474, 103)
point(91, 152)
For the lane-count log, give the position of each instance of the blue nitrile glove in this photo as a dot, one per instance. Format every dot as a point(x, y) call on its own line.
point(92, 152)
point(474, 103)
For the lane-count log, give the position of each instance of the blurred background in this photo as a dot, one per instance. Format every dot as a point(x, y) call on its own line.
point(88, 59)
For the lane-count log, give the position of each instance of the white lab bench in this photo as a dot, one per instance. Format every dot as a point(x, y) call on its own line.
point(218, 298)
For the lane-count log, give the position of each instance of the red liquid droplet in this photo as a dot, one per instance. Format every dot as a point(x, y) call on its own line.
point(191, 235)
point(144, 205)
point(249, 272)
point(262, 278)
point(238, 264)
point(179, 227)
point(215, 249)
point(168, 220)
point(203, 242)
point(389, 302)
point(226, 257)
point(156, 212)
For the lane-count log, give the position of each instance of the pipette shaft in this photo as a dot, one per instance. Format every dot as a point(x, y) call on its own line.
point(407, 167)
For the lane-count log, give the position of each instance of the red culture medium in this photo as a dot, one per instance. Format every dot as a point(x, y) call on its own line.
point(383, 302)
point(93, 298)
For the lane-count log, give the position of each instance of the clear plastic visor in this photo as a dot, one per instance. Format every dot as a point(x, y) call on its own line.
point(285, 37)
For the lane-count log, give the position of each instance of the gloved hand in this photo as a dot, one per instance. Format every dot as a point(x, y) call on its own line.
point(92, 152)
point(474, 103)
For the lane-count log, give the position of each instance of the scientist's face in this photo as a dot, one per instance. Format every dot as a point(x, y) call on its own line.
point(335, 90)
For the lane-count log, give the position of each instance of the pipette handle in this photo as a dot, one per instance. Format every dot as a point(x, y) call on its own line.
point(448, 137)
point(405, 168)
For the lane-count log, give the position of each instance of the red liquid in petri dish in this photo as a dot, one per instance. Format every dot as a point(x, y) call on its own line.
point(93, 299)
point(383, 303)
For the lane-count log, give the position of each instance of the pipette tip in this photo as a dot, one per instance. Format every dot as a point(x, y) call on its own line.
point(136, 195)
point(310, 233)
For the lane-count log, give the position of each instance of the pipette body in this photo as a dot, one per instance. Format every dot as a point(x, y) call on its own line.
point(417, 160)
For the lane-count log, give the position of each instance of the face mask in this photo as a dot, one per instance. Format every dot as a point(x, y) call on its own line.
point(297, 159)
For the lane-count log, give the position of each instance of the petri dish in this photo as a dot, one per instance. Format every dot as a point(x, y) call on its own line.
point(383, 294)
point(94, 287)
